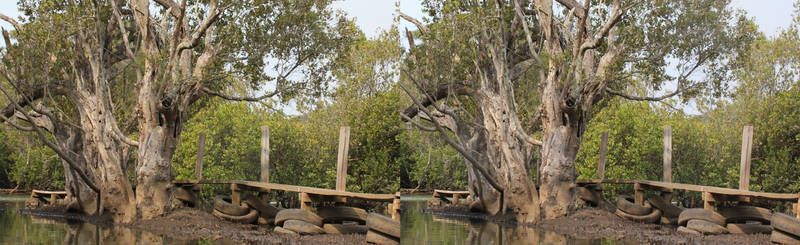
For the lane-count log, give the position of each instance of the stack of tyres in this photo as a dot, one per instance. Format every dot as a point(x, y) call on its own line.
point(746, 219)
point(298, 221)
point(669, 212)
point(627, 209)
point(223, 208)
point(382, 229)
point(701, 221)
point(343, 220)
point(785, 229)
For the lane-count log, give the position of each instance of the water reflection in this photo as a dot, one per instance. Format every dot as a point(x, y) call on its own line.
point(16, 228)
point(421, 228)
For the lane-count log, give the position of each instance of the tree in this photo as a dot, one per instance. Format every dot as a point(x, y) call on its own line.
point(481, 66)
point(108, 78)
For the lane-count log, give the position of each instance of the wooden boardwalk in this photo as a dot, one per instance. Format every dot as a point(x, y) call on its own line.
point(443, 194)
point(52, 195)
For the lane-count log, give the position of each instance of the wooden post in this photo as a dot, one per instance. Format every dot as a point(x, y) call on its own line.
point(305, 201)
point(744, 166)
point(638, 193)
point(797, 208)
point(236, 195)
point(201, 151)
point(341, 163)
point(265, 154)
point(396, 207)
point(708, 201)
point(455, 198)
point(667, 153)
point(601, 164)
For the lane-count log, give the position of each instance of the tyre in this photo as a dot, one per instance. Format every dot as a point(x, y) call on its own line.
point(186, 196)
point(625, 203)
point(784, 238)
point(341, 213)
point(248, 218)
point(653, 217)
point(383, 225)
point(785, 223)
point(706, 227)
point(279, 229)
point(749, 228)
point(687, 230)
point(701, 214)
point(266, 211)
point(344, 228)
point(297, 214)
point(379, 238)
point(669, 220)
point(590, 196)
point(223, 205)
point(739, 214)
point(667, 209)
point(302, 227)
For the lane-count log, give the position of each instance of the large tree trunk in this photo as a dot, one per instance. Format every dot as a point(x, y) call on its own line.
point(153, 171)
point(558, 171)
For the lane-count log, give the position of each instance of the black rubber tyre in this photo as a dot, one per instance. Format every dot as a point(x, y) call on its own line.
point(341, 213)
point(749, 228)
point(248, 218)
point(379, 238)
point(279, 229)
point(186, 196)
point(266, 211)
point(383, 225)
point(687, 230)
point(785, 223)
point(297, 214)
point(783, 238)
point(667, 209)
point(223, 205)
point(344, 228)
point(706, 227)
point(740, 214)
point(701, 214)
point(626, 204)
point(651, 218)
point(302, 227)
point(590, 196)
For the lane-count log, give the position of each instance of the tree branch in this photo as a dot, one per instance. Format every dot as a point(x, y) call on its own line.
point(616, 13)
point(240, 98)
point(11, 21)
point(213, 14)
point(414, 21)
point(442, 92)
point(572, 4)
point(639, 98)
point(455, 145)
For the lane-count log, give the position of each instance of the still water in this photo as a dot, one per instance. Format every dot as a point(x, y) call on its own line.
point(16, 228)
point(422, 228)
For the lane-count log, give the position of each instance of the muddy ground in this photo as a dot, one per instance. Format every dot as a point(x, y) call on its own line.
point(196, 224)
point(597, 223)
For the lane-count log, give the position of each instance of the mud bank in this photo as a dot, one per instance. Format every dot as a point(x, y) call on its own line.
point(596, 223)
point(196, 224)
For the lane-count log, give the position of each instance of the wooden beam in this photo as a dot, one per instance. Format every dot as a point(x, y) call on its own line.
point(265, 154)
point(638, 194)
point(201, 151)
point(649, 184)
point(667, 153)
point(236, 195)
point(341, 163)
point(744, 165)
point(601, 163)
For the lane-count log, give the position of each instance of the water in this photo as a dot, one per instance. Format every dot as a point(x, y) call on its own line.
point(16, 228)
point(421, 228)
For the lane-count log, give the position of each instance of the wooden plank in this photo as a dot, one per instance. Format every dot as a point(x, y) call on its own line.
point(450, 192)
point(667, 153)
point(49, 192)
point(265, 154)
point(797, 208)
point(606, 181)
point(201, 151)
point(291, 188)
point(744, 164)
point(719, 190)
point(341, 162)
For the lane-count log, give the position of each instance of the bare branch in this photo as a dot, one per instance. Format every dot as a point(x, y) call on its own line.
point(639, 98)
point(414, 21)
point(616, 13)
point(125, 39)
point(415, 123)
point(527, 31)
point(524, 137)
point(442, 92)
point(213, 14)
point(572, 4)
point(240, 98)
point(455, 145)
point(11, 21)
